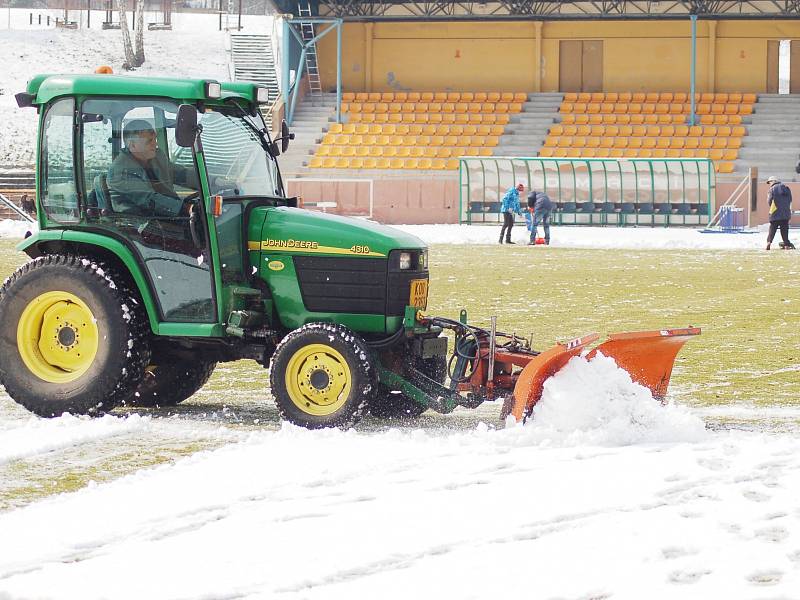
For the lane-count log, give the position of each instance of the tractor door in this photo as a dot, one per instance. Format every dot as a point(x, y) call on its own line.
point(139, 185)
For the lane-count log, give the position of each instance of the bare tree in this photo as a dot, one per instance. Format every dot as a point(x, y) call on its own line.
point(130, 60)
point(139, 50)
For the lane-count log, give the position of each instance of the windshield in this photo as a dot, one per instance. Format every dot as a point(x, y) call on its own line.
point(236, 163)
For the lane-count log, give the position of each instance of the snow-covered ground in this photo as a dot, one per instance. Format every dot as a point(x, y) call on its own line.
point(194, 48)
point(603, 494)
point(641, 238)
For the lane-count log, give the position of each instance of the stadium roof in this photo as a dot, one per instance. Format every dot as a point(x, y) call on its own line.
point(378, 10)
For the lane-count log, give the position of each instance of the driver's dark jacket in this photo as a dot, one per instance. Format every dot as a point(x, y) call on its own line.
point(133, 190)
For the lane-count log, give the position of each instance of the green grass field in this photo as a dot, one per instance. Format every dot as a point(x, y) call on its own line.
point(747, 304)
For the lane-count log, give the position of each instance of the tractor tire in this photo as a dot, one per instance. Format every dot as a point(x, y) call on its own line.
point(73, 337)
point(322, 375)
point(396, 405)
point(169, 383)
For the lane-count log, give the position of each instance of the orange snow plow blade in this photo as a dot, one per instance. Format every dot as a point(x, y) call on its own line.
point(648, 356)
point(530, 383)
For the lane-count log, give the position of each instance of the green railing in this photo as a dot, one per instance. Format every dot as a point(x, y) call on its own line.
point(593, 191)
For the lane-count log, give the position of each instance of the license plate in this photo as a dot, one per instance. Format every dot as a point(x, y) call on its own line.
point(419, 293)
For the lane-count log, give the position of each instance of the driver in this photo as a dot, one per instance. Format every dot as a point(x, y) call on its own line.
point(141, 179)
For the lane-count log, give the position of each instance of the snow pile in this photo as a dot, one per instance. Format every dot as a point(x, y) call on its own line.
point(594, 402)
point(43, 435)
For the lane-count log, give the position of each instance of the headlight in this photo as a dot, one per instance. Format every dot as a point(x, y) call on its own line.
point(405, 261)
point(262, 95)
point(213, 89)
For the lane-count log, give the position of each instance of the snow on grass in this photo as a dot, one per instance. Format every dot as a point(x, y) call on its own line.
point(37, 436)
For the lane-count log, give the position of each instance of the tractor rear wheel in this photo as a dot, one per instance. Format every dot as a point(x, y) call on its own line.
point(322, 375)
point(388, 404)
point(73, 338)
point(169, 383)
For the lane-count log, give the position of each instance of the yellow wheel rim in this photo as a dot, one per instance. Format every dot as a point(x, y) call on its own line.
point(57, 337)
point(318, 380)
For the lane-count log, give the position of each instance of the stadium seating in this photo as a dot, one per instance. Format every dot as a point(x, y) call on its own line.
point(416, 130)
point(650, 125)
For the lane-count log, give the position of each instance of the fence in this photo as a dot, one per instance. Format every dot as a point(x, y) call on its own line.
point(593, 191)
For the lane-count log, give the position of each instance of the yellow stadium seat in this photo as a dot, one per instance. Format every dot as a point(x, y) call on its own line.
point(467, 97)
point(446, 107)
point(630, 153)
point(645, 153)
point(673, 153)
point(734, 97)
point(424, 163)
point(546, 152)
point(440, 96)
point(579, 119)
point(382, 163)
point(389, 151)
point(712, 131)
point(375, 151)
point(452, 164)
point(592, 142)
point(573, 152)
point(381, 118)
point(564, 141)
point(729, 154)
point(462, 118)
point(336, 128)
point(607, 142)
point(578, 142)
point(715, 154)
point(453, 97)
point(374, 97)
point(328, 162)
point(582, 130)
point(348, 96)
point(634, 108)
point(432, 118)
point(584, 97)
point(410, 163)
point(595, 119)
point(444, 152)
point(426, 97)
point(616, 153)
point(635, 142)
point(707, 119)
point(659, 153)
point(651, 119)
point(620, 142)
point(315, 162)
point(395, 163)
point(725, 167)
point(593, 107)
point(387, 97)
point(665, 97)
point(706, 142)
point(625, 130)
point(324, 150)
point(413, 97)
point(734, 142)
point(748, 98)
point(570, 97)
point(588, 152)
point(702, 152)
point(400, 97)
point(507, 97)
point(448, 118)
point(493, 97)
point(597, 97)
point(662, 108)
point(520, 97)
point(707, 98)
point(438, 164)
point(567, 119)
point(395, 107)
point(551, 140)
point(695, 131)
point(356, 163)
point(416, 152)
point(638, 130)
point(342, 163)
point(676, 143)
point(648, 108)
point(362, 97)
point(663, 142)
point(362, 151)
point(648, 142)
point(738, 131)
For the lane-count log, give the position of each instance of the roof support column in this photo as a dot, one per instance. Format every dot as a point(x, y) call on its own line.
point(368, 34)
point(537, 56)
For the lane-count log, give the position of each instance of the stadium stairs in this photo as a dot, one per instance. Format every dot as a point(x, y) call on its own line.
point(252, 59)
point(773, 137)
point(526, 131)
point(312, 118)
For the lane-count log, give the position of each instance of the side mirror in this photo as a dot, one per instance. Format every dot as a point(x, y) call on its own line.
point(186, 126)
point(274, 150)
point(285, 136)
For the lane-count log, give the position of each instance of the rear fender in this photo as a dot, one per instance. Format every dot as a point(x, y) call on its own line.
point(103, 247)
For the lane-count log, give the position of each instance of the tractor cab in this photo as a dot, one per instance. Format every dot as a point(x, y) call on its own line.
point(134, 159)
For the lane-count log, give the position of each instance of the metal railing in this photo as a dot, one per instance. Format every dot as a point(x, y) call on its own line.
point(593, 191)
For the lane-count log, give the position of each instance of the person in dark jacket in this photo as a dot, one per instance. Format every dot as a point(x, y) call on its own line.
point(541, 206)
point(509, 207)
point(779, 201)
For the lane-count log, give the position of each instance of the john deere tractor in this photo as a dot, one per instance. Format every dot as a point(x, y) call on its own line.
point(166, 245)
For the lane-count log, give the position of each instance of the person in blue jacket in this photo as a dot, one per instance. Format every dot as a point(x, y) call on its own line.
point(509, 207)
point(779, 201)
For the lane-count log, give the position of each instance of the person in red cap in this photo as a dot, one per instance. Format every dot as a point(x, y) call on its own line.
point(508, 207)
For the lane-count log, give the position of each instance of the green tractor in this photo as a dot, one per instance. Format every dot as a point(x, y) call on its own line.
point(166, 244)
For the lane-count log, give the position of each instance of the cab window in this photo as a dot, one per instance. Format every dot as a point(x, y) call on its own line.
point(58, 195)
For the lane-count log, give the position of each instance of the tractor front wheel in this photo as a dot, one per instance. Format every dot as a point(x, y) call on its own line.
point(73, 338)
point(169, 383)
point(322, 375)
